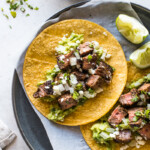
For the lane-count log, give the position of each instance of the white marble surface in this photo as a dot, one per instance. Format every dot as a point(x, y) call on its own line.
point(11, 41)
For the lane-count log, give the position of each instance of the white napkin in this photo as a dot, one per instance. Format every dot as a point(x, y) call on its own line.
point(102, 12)
point(6, 135)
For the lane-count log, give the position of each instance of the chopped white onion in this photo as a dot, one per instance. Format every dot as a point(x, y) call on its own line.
point(73, 61)
point(47, 87)
point(63, 81)
point(111, 130)
point(104, 135)
point(56, 90)
point(88, 95)
point(71, 90)
point(108, 56)
point(66, 86)
point(61, 57)
point(61, 87)
point(96, 44)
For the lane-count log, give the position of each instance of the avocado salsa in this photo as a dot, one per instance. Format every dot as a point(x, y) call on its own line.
point(80, 74)
point(128, 122)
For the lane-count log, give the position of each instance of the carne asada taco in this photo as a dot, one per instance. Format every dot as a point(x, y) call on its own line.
point(74, 72)
point(127, 125)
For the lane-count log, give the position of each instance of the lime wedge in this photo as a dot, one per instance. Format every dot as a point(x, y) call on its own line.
point(131, 29)
point(141, 57)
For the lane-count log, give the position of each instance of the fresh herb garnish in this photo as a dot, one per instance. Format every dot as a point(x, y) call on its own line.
point(135, 99)
point(6, 16)
point(2, 9)
point(36, 8)
point(75, 95)
point(13, 13)
point(27, 15)
point(91, 91)
point(89, 57)
point(135, 118)
point(79, 86)
point(22, 9)
point(29, 6)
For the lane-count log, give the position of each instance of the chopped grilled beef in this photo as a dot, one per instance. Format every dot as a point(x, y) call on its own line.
point(145, 131)
point(63, 61)
point(89, 63)
point(80, 76)
point(66, 101)
point(85, 49)
point(144, 89)
point(133, 120)
point(105, 71)
point(117, 115)
point(58, 78)
point(129, 98)
point(94, 81)
point(44, 90)
point(124, 136)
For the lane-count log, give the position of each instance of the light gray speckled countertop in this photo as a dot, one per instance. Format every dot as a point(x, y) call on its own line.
point(9, 52)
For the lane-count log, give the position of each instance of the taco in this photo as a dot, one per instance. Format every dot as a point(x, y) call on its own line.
point(127, 125)
point(74, 72)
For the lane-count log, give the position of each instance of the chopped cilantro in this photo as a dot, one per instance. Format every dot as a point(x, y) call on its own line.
point(135, 118)
point(21, 2)
point(91, 91)
point(135, 99)
point(13, 13)
point(2, 9)
point(22, 9)
point(75, 95)
point(61, 61)
point(89, 57)
point(79, 86)
point(6, 16)
point(91, 45)
point(148, 93)
point(14, 6)
point(138, 113)
point(36, 8)
point(10, 26)
point(27, 15)
point(29, 6)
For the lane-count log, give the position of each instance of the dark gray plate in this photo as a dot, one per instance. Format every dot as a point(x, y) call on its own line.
point(29, 124)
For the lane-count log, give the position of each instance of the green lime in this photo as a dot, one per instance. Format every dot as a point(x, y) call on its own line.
point(141, 57)
point(131, 29)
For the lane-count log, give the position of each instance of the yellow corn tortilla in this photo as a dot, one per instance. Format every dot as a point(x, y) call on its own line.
point(40, 57)
point(133, 75)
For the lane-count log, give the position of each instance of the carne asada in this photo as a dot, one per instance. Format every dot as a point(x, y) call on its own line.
point(73, 79)
point(117, 115)
point(126, 120)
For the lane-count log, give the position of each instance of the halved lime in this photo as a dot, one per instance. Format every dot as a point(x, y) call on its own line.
point(131, 29)
point(141, 57)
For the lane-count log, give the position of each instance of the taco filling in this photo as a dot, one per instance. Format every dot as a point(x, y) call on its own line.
point(129, 122)
point(80, 74)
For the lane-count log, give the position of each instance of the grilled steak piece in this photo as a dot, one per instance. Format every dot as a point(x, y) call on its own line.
point(105, 71)
point(129, 98)
point(94, 81)
point(89, 63)
point(117, 115)
point(58, 78)
point(44, 90)
point(66, 101)
point(124, 136)
point(132, 117)
point(80, 76)
point(145, 131)
point(145, 87)
point(85, 49)
point(63, 61)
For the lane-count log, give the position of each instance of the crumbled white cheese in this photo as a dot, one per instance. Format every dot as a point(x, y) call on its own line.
point(61, 57)
point(71, 90)
point(89, 95)
point(108, 56)
point(148, 106)
point(73, 79)
point(95, 44)
point(99, 90)
point(124, 147)
point(77, 55)
point(47, 87)
point(73, 61)
point(91, 71)
point(105, 33)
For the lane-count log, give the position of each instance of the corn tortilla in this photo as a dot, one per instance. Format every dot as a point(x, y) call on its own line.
point(40, 57)
point(133, 75)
